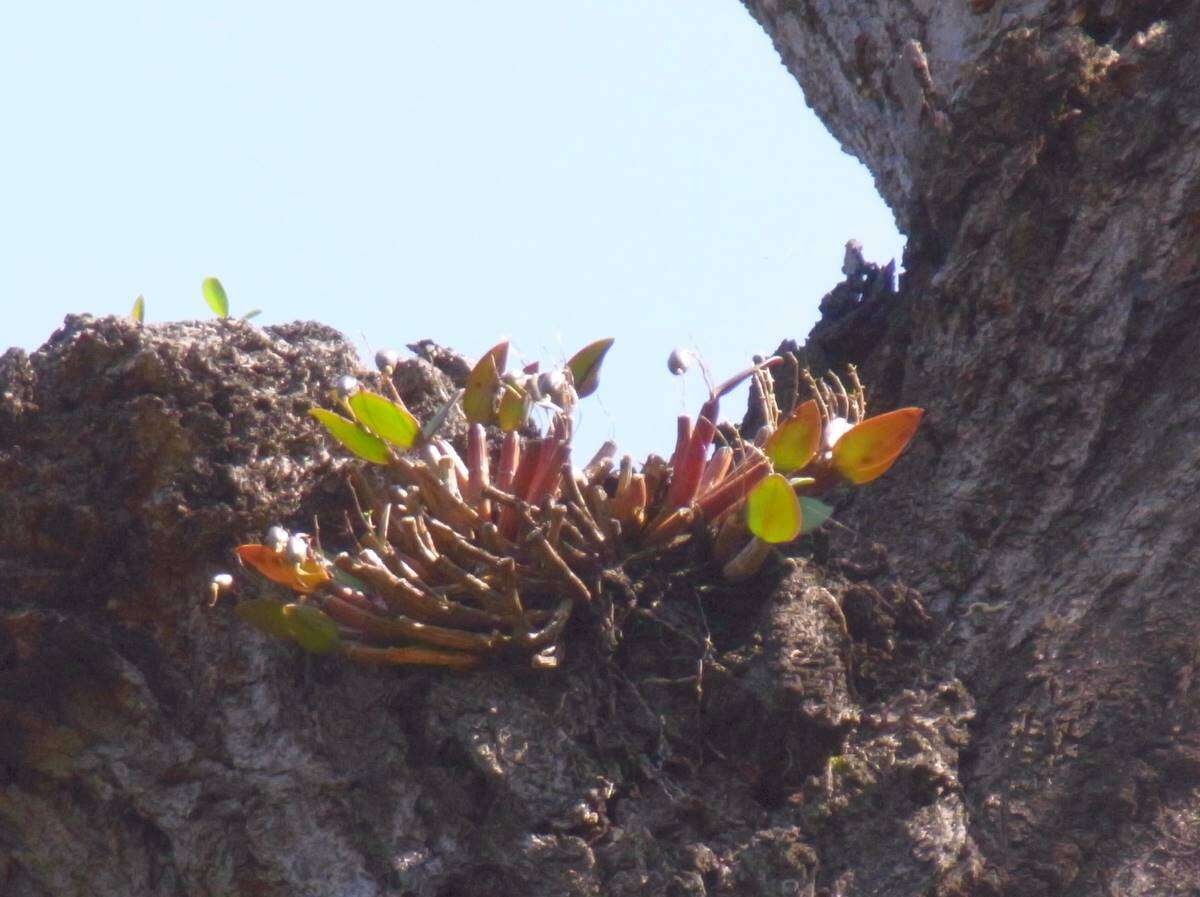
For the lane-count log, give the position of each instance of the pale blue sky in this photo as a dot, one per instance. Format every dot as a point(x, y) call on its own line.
point(546, 171)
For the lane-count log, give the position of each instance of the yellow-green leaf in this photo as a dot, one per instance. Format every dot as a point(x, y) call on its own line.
point(585, 366)
point(868, 449)
point(385, 418)
point(514, 408)
point(265, 615)
point(480, 396)
point(311, 629)
point(353, 437)
point(773, 511)
point(138, 314)
point(796, 441)
point(214, 295)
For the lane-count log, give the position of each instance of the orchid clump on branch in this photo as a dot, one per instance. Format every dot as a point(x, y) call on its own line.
point(465, 556)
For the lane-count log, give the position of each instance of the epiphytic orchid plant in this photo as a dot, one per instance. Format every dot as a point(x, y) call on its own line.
point(461, 557)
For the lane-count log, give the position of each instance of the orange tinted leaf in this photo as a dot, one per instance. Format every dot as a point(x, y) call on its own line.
point(797, 439)
point(773, 511)
point(385, 418)
point(275, 566)
point(585, 366)
point(353, 437)
point(868, 449)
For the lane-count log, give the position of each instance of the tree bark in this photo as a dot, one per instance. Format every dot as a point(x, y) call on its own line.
point(1044, 161)
point(798, 733)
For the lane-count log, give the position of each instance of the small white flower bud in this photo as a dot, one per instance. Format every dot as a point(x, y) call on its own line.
point(387, 359)
point(346, 386)
point(276, 538)
point(297, 548)
point(679, 361)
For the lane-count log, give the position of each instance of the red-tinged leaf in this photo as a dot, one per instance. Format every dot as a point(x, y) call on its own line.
point(311, 629)
point(385, 418)
point(265, 615)
point(732, 489)
point(479, 400)
point(510, 457)
point(514, 408)
point(685, 479)
point(629, 504)
point(715, 470)
point(366, 445)
point(733, 382)
point(585, 366)
point(478, 468)
point(544, 482)
point(275, 566)
point(411, 656)
point(797, 440)
point(683, 438)
point(867, 450)
point(772, 510)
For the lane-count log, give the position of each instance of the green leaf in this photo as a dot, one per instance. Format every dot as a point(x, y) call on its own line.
point(773, 511)
point(479, 399)
point(514, 408)
point(814, 514)
point(353, 437)
point(585, 366)
point(435, 423)
point(253, 313)
point(214, 295)
point(138, 313)
point(265, 615)
point(311, 629)
point(385, 419)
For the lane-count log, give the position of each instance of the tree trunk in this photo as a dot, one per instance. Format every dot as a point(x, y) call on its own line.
point(1044, 160)
point(800, 733)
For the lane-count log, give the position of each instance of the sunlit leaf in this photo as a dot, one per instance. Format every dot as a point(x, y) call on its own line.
point(311, 629)
point(796, 441)
point(585, 366)
point(253, 313)
point(353, 437)
point(214, 295)
point(385, 419)
point(514, 408)
point(480, 396)
point(275, 566)
point(814, 513)
point(868, 449)
point(265, 615)
point(138, 313)
point(773, 511)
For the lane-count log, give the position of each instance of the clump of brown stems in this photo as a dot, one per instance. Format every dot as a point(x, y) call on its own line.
point(461, 557)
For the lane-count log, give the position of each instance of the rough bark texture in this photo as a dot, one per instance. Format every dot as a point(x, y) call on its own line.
point(1044, 159)
point(811, 732)
point(743, 740)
